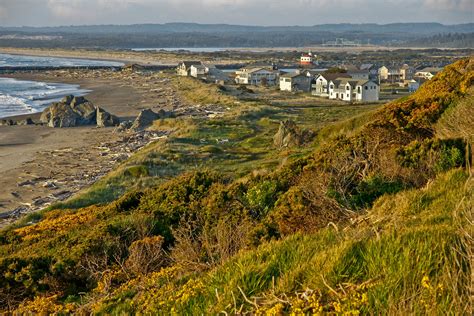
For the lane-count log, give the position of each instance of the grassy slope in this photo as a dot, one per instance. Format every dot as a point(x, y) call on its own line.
point(403, 250)
point(399, 256)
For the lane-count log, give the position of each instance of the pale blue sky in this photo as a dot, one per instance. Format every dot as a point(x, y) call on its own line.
point(248, 12)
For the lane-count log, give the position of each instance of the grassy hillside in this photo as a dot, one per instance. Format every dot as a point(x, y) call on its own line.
point(372, 218)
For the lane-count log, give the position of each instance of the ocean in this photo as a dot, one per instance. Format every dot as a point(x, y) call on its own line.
point(7, 60)
point(27, 97)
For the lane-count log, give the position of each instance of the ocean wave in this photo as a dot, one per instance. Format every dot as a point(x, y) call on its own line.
point(19, 97)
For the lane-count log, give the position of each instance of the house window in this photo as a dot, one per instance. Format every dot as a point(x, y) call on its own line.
point(331, 87)
point(347, 88)
point(366, 88)
point(358, 90)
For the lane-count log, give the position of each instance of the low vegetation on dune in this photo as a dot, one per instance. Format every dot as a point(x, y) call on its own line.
point(371, 217)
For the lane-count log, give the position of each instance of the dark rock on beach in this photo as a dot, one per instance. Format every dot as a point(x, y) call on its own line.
point(145, 119)
point(76, 111)
point(105, 119)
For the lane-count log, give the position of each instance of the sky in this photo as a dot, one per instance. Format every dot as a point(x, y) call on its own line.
point(242, 12)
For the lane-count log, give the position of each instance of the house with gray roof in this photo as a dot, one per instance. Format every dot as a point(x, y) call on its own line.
point(184, 67)
point(295, 81)
point(320, 87)
point(351, 90)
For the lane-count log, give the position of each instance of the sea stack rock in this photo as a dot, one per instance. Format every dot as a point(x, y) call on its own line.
point(76, 111)
point(145, 119)
point(105, 119)
point(289, 134)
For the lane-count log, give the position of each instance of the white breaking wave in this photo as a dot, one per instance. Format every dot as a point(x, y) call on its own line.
point(26, 97)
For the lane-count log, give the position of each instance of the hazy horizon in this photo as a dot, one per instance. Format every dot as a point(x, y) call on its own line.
point(237, 12)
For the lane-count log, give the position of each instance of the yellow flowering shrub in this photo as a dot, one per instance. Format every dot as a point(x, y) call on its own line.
point(54, 224)
point(45, 305)
point(314, 302)
point(153, 292)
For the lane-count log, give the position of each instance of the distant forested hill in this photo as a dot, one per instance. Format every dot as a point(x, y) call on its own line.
point(223, 35)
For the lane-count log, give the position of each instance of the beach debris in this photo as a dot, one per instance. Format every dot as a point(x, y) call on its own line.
point(24, 183)
point(27, 121)
point(7, 122)
point(123, 126)
point(49, 184)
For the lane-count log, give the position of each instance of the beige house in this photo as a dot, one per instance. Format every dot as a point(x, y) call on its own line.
point(406, 72)
point(396, 74)
point(256, 76)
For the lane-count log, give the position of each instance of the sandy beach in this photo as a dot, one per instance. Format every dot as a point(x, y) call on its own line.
point(38, 163)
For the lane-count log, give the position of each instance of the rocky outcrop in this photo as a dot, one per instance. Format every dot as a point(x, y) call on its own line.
point(146, 118)
point(76, 111)
point(289, 134)
point(105, 119)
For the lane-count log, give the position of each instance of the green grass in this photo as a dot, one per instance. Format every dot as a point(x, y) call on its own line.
point(405, 238)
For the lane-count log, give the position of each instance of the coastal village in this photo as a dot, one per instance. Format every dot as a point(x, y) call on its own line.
point(352, 83)
point(237, 128)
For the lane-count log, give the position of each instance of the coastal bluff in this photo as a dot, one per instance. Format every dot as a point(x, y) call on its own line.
point(74, 111)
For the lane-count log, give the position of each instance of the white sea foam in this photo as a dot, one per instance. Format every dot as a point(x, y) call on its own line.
point(26, 97)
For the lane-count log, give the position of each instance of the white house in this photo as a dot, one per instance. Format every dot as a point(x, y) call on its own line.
point(427, 73)
point(256, 76)
point(198, 70)
point(295, 81)
point(184, 67)
point(351, 90)
point(307, 59)
point(321, 85)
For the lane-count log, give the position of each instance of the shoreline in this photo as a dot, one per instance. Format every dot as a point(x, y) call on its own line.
point(42, 165)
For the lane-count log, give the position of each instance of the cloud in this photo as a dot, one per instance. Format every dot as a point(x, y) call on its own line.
point(255, 12)
point(3, 12)
point(457, 5)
